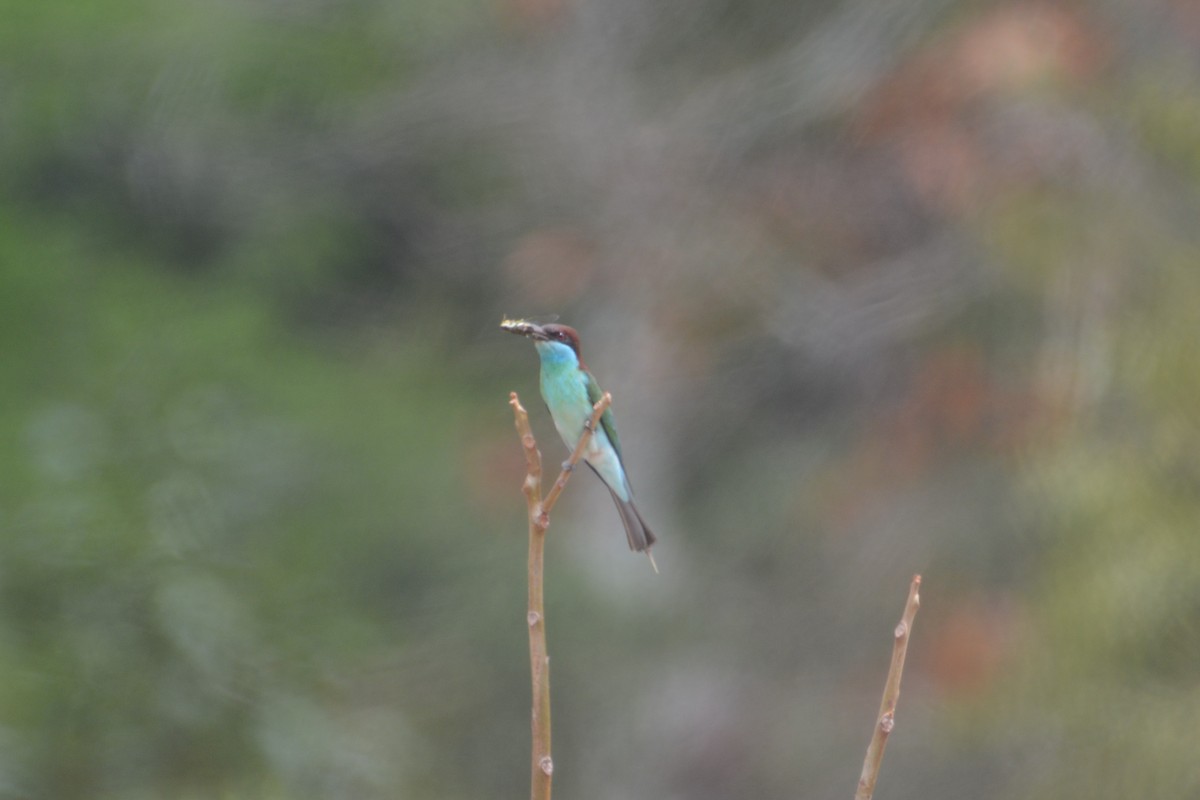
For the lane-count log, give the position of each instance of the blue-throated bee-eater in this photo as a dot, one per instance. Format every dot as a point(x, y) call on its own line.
point(570, 391)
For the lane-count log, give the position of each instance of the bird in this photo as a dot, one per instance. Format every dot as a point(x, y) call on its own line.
point(570, 392)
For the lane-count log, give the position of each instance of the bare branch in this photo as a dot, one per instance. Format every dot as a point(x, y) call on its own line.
point(542, 769)
point(539, 660)
point(891, 693)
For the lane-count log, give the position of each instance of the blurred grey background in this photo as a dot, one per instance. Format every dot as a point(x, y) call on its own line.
point(878, 287)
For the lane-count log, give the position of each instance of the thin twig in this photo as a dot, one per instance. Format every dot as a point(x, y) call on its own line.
point(597, 412)
point(891, 693)
point(542, 768)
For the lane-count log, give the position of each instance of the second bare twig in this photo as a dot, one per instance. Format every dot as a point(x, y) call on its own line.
point(891, 693)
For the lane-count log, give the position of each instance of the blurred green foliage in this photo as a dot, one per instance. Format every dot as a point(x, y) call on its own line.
point(202, 534)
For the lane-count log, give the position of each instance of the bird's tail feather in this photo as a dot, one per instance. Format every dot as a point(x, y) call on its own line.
point(636, 530)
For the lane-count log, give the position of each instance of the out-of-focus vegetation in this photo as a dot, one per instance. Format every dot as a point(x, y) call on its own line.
point(878, 288)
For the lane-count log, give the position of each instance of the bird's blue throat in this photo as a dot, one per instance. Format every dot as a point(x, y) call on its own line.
point(556, 354)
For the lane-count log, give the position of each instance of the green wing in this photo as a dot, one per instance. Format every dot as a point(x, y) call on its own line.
point(606, 419)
